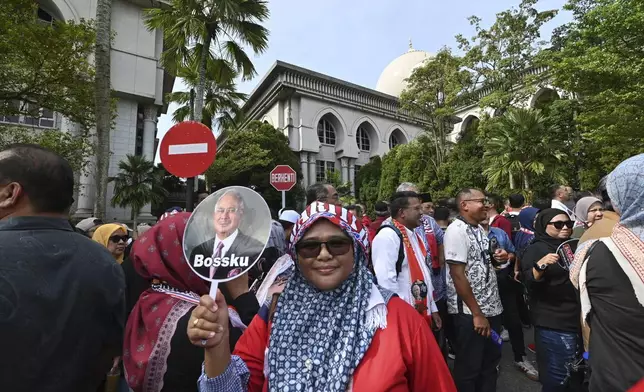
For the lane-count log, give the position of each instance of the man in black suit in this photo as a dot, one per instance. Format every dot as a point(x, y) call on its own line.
point(230, 251)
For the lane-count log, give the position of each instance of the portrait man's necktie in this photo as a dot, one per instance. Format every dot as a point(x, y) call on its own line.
point(216, 255)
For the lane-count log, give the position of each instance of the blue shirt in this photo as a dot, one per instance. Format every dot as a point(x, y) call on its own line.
point(502, 238)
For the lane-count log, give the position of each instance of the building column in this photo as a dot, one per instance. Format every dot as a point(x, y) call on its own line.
point(86, 190)
point(304, 167)
point(352, 176)
point(344, 163)
point(149, 130)
point(312, 168)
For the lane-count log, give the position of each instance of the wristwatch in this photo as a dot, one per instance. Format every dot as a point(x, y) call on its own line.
point(540, 268)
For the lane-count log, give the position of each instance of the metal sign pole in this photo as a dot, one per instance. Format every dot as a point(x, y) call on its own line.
point(190, 183)
point(283, 199)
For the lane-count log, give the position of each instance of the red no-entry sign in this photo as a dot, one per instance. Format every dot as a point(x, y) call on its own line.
point(283, 178)
point(188, 149)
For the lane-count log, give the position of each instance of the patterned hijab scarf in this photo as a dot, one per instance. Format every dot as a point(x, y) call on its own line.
point(158, 256)
point(625, 186)
point(318, 338)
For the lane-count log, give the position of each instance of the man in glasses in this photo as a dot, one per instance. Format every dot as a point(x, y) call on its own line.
point(473, 295)
point(399, 254)
point(432, 236)
point(325, 193)
point(62, 301)
point(229, 242)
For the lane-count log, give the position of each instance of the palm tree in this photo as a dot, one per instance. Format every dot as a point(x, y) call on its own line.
point(137, 183)
point(207, 36)
point(103, 94)
point(222, 100)
point(519, 147)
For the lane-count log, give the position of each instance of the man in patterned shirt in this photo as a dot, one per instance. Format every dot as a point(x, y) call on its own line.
point(472, 295)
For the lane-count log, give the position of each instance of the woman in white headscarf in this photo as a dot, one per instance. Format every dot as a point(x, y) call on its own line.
point(609, 274)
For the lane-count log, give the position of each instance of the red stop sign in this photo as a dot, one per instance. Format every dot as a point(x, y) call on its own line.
point(188, 149)
point(283, 177)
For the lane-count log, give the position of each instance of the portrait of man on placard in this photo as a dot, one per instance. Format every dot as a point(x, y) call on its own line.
point(229, 250)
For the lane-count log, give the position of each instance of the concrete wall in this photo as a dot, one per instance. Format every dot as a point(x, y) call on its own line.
point(137, 78)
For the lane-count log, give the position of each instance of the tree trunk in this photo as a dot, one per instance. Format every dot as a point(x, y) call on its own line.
point(511, 178)
point(201, 84)
point(103, 104)
point(135, 223)
point(526, 182)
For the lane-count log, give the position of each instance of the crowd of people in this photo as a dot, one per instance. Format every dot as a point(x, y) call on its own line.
point(419, 298)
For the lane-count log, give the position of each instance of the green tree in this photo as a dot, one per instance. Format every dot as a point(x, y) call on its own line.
point(390, 173)
point(368, 183)
point(411, 162)
point(502, 56)
point(599, 58)
point(248, 157)
point(75, 149)
point(210, 37)
point(137, 183)
point(45, 65)
point(334, 177)
point(221, 103)
point(436, 90)
point(462, 168)
point(581, 154)
point(518, 146)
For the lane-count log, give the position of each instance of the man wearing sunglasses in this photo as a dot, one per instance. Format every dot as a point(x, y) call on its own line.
point(229, 241)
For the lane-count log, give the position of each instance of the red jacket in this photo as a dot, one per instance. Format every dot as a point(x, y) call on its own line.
point(502, 223)
point(402, 357)
point(373, 227)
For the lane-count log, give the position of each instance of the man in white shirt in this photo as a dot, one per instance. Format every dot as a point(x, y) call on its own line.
point(561, 199)
point(472, 295)
point(411, 278)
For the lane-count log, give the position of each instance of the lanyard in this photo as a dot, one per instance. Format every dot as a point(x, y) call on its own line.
point(479, 238)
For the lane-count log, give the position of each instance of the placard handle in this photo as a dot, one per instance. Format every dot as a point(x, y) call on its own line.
point(213, 290)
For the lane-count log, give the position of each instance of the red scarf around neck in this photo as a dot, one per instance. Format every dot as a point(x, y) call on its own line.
point(419, 289)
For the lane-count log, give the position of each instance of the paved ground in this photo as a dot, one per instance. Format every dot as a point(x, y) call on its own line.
point(510, 379)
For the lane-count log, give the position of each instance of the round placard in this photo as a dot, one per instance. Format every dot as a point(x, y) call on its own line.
point(227, 233)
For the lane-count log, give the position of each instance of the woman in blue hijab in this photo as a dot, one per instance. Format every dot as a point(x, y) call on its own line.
point(523, 238)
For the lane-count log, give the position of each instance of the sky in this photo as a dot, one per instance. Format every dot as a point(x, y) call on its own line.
point(354, 40)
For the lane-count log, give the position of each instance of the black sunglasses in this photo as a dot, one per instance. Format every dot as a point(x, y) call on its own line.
point(312, 248)
point(560, 225)
point(116, 238)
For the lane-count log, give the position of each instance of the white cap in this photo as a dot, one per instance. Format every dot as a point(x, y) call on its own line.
point(289, 216)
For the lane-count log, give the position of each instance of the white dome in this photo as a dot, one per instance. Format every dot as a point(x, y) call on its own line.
point(392, 79)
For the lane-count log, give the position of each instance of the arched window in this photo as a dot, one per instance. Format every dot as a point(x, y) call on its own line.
point(362, 139)
point(326, 132)
point(394, 140)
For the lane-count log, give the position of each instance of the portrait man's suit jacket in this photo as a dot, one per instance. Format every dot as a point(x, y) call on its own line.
point(243, 246)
